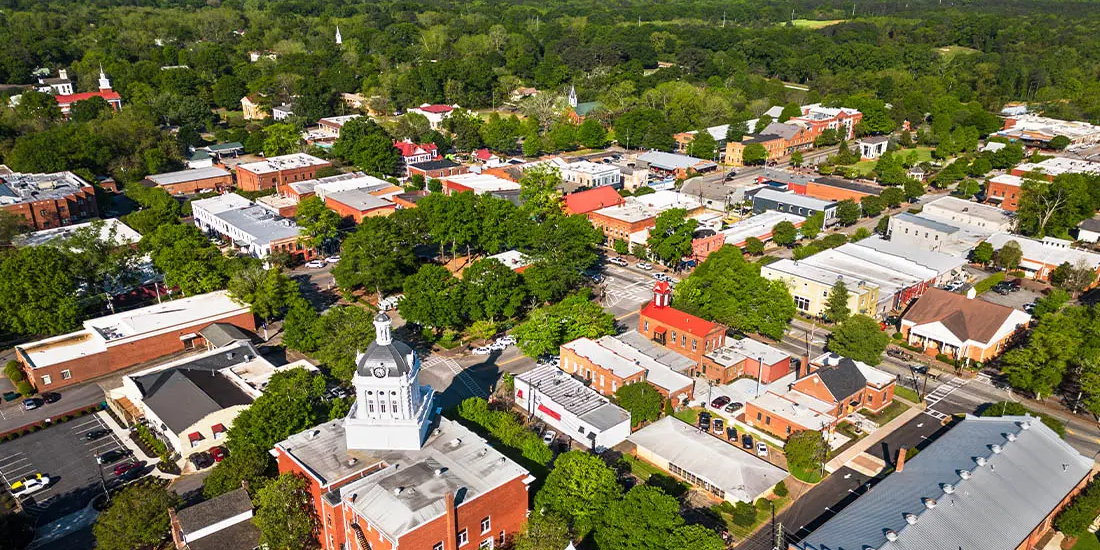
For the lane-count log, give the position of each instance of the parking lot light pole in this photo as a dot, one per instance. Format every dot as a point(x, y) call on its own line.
point(103, 482)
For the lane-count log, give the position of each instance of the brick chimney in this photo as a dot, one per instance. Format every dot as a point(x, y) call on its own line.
point(901, 460)
point(803, 366)
point(451, 542)
point(177, 532)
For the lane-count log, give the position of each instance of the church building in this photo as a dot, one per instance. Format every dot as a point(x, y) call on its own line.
point(395, 474)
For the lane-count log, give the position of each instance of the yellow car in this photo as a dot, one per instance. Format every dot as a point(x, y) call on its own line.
point(29, 485)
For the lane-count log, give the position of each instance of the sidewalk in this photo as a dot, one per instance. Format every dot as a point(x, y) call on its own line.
point(862, 445)
point(123, 436)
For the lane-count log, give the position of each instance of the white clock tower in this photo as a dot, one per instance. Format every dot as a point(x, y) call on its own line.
point(392, 411)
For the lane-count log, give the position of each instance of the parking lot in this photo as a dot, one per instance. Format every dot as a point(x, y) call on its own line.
point(1015, 299)
point(61, 453)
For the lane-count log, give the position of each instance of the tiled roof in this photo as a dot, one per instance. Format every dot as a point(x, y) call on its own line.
point(967, 319)
point(592, 200)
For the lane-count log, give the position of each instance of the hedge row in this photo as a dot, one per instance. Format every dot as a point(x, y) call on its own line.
point(985, 284)
point(504, 426)
point(18, 379)
point(1075, 519)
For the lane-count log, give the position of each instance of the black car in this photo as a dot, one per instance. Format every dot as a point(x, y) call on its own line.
point(201, 460)
point(96, 434)
point(746, 441)
point(112, 456)
point(132, 473)
point(704, 421)
point(51, 397)
point(731, 434)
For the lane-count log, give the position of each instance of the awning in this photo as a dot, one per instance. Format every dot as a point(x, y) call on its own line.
point(1031, 266)
point(552, 414)
point(217, 428)
point(194, 436)
point(189, 336)
point(659, 330)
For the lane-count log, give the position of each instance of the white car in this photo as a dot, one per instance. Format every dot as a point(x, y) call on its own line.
point(761, 449)
point(315, 263)
point(332, 259)
point(549, 436)
point(618, 261)
point(30, 485)
point(483, 350)
point(508, 340)
point(644, 265)
point(497, 346)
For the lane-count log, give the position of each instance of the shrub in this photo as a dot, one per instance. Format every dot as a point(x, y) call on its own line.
point(781, 490)
point(987, 283)
point(763, 504)
point(897, 336)
point(1012, 408)
point(13, 372)
point(24, 388)
point(1075, 519)
point(744, 514)
point(505, 426)
point(943, 358)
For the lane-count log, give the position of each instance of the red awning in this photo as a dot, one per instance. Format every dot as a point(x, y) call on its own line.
point(194, 436)
point(217, 428)
point(548, 412)
point(660, 330)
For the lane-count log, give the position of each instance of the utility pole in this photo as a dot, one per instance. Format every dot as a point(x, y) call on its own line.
point(778, 532)
point(723, 20)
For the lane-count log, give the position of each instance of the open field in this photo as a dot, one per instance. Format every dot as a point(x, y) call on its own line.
point(924, 154)
point(815, 24)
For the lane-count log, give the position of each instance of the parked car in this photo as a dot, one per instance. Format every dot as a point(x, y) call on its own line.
point(131, 474)
point(761, 449)
point(30, 404)
point(29, 485)
point(497, 346)
point(201, 460)
point(618, 261)
point(704, 421)
point(595, 277)
point(123, 467)
point(315, 263)
point(332, 259)
point(644, 265)
point(93, 435)
point(507, 340)
point(549, 436)
point(746, 441)
point(720, 401)
point(219, 453)
point(483, 350)
point(718, 426)
point(51, 397)
point(731, 434)
point(112, 456)
point(734, 407)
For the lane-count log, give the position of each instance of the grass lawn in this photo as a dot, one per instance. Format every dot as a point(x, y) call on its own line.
point(814, 24)
point(809, 476)
point(889, 413)
point(640, 468)
point(742, 531)
point(1087, 542)
point(691, 416)
point(949, 52)
point(924, 154)
point(906, 393)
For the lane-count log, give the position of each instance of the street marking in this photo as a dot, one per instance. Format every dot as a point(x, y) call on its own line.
point(460, 374)
point(938, 394)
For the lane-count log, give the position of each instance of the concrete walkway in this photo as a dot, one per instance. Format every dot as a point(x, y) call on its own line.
point(862, 445)
point(123, 436)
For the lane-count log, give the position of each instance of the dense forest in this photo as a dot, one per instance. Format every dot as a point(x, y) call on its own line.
point(718, 62)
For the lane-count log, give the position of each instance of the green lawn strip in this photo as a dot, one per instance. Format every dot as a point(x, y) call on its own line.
point(906, 393)
point(889, 413)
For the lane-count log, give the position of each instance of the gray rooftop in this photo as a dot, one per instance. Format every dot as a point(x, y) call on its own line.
point(259, 222)
point(469, 466)
point(783, 176)
point(925, 222)
point(359, 199)
point(793, 199)
point(183, 176)
point(1007, 493)
point(743, 476)
point(18, 187)
point(223, 334)
point(659, 353)
point(575, 397)
point(205, 514)
point(715, 191)
point(670, 161)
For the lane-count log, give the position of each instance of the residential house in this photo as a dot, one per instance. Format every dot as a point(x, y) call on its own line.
point(1013, 471)
point(193, 181)
point(60, 85)
point(1089, 230)
point(394, 473)
point(328, 130)
point(434, 113)
point(575, 410)
point(414, 153)
point(109, 344)
point(221, 523)
point(278, 172)
point(46, 201)
point(960, 326)
point(252, 108)
point(1042, 257)
point(282, 111)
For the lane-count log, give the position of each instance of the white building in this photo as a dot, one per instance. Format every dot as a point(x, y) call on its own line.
point(254, 229)
point(587, 174)
point(434, 113)
point(111, 230)
point(576, 411)
point(1057, 166)
point(872, 147)
point(1033, 129)
point(950, 225)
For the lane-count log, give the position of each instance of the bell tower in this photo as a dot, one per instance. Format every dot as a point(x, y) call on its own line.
point(662, 294)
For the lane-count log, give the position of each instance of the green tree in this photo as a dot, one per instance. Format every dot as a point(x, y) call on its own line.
point(893, 197)
point(982, 254)
point(1010, 255)
point(621, 247)
point(883, 225)
point(379, 254)
point(291, 402)
point(1059, 143)
point(300, 326)
point(253, 467)
point(859, 337)
point(703, 145)
point(979, 168)
point(544, 532)
point(491, 290)
point(813, 225)
point(280, 139)
point(806, 450)
point(872, 206)
point(797, 159)
point(38, 107)
point(1014, 408)
point(784, 233)
point(790, 110)
point(137, 517)
point(87, 110)
point(848, 211)
point(671, 237)
point(860, 234)
point(644, 518)
point(548, 281)
point(186, 258)
point(548, 327)
point(38, 291)
point(1051, 303)
point(268, 291)
point(913, 189)
point(433, 298)
point(738, 128)
point(284, 514)
point(341, 333)
point(500, 134)
point(836, 306)
point(754, 246)
point(539, 189)
point(228, 91)
point(466, 128)
point(761, 123)
point(579, 489)
point(319, 224)
point(641, 400)
point(754, 153)
point(366, 145)
point(592, 134)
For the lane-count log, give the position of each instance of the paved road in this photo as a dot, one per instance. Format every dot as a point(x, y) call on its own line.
point(13, 416)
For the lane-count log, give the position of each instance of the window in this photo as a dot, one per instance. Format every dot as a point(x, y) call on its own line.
point(462, 538)
point(487, 543)
point(46, 381)
point(788, 430)
point(802, 303)
point(645, 326)
point(694, 343)
point(674, 337)
point(485, 525)
point(768, 421)
point(437, 546)
point(759, 416)
point(500, 537)
point(66, 374)
point(614, 385)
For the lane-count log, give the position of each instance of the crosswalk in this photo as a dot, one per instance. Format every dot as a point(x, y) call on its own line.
point(459, 373)
point(635, 293)
point(938, 394)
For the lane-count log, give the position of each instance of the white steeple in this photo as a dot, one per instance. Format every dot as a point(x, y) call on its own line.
point(572, 96)
point(339, 39)
point(104, 83)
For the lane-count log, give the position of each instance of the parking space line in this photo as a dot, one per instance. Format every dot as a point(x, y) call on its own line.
point(93, 420)
point(17, 457)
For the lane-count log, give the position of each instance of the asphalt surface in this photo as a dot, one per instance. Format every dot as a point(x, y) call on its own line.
point(13, 416)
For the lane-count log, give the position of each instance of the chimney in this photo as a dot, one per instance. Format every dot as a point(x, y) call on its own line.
point(803, 366)
point(901, 461)
point(971, 293)
point(177, 532)
point(63, 74)
point(451, 542)
point(244, 485)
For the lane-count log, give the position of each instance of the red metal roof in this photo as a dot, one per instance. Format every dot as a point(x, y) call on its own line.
point(409, 148)
point(194, 436)
point(483, 154)
point(217, 428)
point(436, 108)
point(679, 320)
point(592, 200)
point(109, 95)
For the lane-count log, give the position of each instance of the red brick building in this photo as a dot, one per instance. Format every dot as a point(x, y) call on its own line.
point(437, 169)
point(584, 202)
point(1004, 191)
point(704, 242)
point(745, 357)
point(358, 204)
point(394, 474)
point(115, 342)
point(48, 201)
point(836, 189)
point(278, 171)
point(679, 331)
point(190, 182)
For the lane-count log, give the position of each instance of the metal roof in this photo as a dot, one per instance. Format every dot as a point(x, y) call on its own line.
point(572, 395)
point(991, 482)
point(793, 199)
point(169, 178)
point(926, 223)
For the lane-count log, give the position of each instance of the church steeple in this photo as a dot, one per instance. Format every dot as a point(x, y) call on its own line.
point(104, 83)
point(572, 96)
point(339, 39)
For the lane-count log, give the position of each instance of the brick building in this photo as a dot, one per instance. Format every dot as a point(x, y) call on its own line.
point(479, 184)
point(744, 357)
point(682, 332)
point(395, 474)
point(612, 362)
point(637, 214)
point(819, 118)
point(960, 326)
point(1004, 191)
point(836, 189)
point(590, 200)
point(109, 344)
point(47, 201)
point(437, 169)
point(358, 204)
point(190, 182)
point(278, 171)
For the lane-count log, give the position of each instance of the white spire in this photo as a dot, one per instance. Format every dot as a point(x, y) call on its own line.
point(104, 83)
point(382, 329)
point(572, 96)
point(339, 39)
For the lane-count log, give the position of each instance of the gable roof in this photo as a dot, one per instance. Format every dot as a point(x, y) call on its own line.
point(409, 148)
point(967, 319)
point(592, 200)
point(679, 320)
point(109, 95)
point(841, 376)
point(222, 334)
point(205, 514)
point(184, 394)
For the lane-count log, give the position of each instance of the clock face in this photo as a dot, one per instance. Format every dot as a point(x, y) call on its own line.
point(380, 372)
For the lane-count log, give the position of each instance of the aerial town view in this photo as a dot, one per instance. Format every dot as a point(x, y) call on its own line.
point(573, 275)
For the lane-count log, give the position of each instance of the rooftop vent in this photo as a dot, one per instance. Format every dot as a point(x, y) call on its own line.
point(1010, 436)
point(353, 497)
point(398, 490)
point(1025, 425)
point(439, 471)
point(891, 535)
point(456, 442)
point(948, 488)
point(964, 474)
point(352, 461)
point(930, 503)
point(911, 519)
point(980, 461)
point(313, 434)
point(995, 448)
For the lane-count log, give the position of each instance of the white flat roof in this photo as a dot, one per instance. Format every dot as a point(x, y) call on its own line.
point(1061, 165)
point(513, 259)
point(222, 203)
point(483, 183)
point(604, 357)
point(183, 176)
point(1051, 252)
point(741, 475)
point(758, 225)
point(123, 234)
point(283, 162)
point(796, 406)
point(749, 348)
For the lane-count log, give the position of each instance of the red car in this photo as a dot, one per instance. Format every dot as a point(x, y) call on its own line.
point(124, 467)
point(219, 453)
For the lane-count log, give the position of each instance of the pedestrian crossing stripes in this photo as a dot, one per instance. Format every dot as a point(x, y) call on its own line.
point(938, 394)
point(459, 373)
